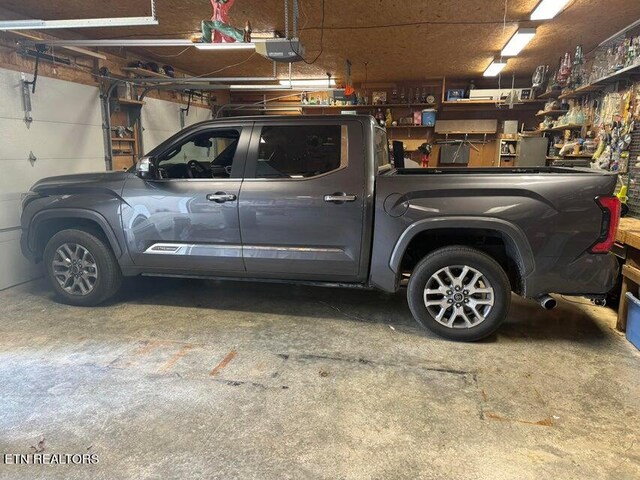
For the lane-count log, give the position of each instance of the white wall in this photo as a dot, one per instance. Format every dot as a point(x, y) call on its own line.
point(65, 136)
point(161, 119)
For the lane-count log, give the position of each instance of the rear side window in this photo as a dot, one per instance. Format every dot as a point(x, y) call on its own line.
point(301, 151)
point(381, 148)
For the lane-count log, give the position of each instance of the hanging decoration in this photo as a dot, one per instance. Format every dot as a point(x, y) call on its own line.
point(218, 29)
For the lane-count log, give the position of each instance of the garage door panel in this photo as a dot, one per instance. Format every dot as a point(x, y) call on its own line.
point(50, 140)
point(24, 174)
point(15, 268)
point(52, 100)
point(197, 114)
point(161, 119)
point(9, 211)
point(160, 115)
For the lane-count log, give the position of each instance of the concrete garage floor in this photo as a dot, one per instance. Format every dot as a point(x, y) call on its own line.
point(180, 379)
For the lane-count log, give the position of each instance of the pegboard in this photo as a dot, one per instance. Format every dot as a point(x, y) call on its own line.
point(634, 171)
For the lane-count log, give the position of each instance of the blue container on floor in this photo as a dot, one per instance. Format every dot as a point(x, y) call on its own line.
point(633, 320)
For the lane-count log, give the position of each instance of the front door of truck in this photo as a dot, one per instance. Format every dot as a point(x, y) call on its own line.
point(187, 218)
point(302, 200)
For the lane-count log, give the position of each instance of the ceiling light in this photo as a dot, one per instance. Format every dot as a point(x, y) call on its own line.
point(225, 46)
point(495, 68)
point(258, 87)
point(37, 24)
point(77, 23)
point(519, 40)
point(319, 82)
point(548, 9)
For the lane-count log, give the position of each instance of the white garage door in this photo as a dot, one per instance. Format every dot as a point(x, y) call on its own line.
point(65, 136)
point(161, 119)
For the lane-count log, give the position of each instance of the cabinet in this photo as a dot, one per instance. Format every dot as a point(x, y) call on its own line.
point(532, 152)
point(522, 152)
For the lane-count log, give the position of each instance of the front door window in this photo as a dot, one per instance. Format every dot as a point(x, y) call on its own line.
point(205, 155)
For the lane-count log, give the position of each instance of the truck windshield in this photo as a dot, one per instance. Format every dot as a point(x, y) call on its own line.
point(381, 148)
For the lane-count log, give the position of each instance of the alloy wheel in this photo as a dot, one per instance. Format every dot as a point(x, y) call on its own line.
point(75, 269)
point(459, 296)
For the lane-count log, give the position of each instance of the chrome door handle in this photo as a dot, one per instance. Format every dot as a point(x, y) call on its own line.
point(221, 197)
point(340, 198)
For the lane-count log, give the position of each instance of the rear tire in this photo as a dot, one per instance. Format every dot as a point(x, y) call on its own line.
point(459, 293)
point(81, 268)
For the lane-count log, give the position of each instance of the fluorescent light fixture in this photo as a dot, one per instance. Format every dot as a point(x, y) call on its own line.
point(79, 23)
point(319, 82)
point(258, 87)
point(548, 9)
point(519, 40)
point(225, 46)
point(494, 69)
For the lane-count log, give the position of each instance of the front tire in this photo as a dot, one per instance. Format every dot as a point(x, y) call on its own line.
point(81, 268)
point(459, 293)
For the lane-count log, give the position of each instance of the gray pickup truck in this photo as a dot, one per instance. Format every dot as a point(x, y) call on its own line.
point(315, 200)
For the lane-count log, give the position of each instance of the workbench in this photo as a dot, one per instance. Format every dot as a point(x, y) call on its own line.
point(627, 247)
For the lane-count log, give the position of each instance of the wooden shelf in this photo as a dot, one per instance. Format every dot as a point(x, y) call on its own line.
point(551, 112)
point(570, 157)
point(601, 82)
point(579, 92)
point(488, 102)
point(122, 139)
point(386, 105)
point(570, 126)
point(614, 77)
point(561, 128)
point(549, 94)
point(141, 72)
point(508, 154)
point(73, 51)
point(410, 126)
point(128, 101)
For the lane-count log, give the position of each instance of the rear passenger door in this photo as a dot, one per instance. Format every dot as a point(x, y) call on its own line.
point(302, 200)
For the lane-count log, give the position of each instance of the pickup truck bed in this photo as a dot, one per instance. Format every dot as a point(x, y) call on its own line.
point(546, 218)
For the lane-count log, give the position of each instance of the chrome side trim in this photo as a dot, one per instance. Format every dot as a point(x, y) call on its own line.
point(279, 254)
point(195, 249)
point(293, 249)
point(253, 251)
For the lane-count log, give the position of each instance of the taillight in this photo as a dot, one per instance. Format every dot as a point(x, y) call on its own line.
point(610, 206)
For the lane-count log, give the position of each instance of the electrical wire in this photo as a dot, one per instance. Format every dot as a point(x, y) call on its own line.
point(414, 24)
point(229, 66)
point(167, 56)
point(347, 27)
point(321, 42)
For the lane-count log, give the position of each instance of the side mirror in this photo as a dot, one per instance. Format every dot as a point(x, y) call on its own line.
point(146, 168)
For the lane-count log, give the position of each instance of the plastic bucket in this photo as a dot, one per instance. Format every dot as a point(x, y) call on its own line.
point(633, 320)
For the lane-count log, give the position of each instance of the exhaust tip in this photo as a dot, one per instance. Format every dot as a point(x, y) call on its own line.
point(547, 302)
